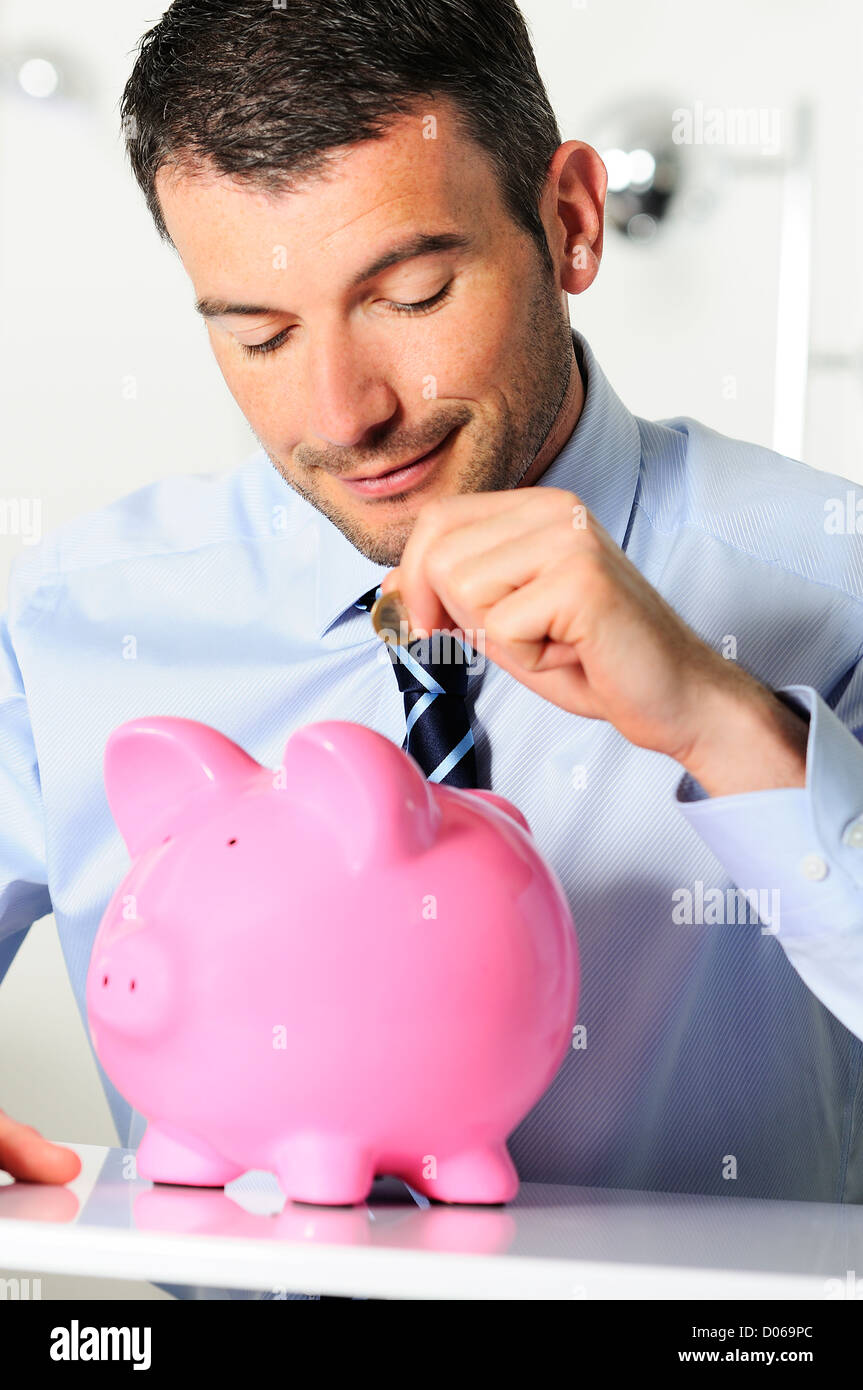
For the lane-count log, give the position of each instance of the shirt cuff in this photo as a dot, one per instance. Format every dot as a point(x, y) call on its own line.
point(799, 848)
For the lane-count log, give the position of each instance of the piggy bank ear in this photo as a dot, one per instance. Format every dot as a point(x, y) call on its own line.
point(373, 797)
point(160, 771)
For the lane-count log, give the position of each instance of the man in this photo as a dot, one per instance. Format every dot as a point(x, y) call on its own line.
point(382, 227)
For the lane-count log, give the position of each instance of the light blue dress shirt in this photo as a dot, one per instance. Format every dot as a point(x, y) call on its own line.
point(716, 1052)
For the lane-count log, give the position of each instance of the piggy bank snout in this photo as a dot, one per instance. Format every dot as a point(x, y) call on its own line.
point(131, 987)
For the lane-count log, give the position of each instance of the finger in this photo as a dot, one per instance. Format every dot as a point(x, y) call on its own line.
point(532, 624)
point(27, 1156)
point(480, 579)
point(444, 516)
point(567, 686)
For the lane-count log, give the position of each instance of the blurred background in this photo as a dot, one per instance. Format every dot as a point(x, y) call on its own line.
point(730, 291)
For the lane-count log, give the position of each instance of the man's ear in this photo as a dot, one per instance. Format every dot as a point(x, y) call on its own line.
point(573, 213)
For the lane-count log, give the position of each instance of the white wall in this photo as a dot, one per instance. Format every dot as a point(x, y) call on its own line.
point(673, 319)
point(106, 376)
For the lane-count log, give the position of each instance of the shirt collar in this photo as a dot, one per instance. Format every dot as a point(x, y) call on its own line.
point(599, 462)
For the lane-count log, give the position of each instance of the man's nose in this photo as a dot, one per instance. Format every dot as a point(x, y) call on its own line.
point(349, 393)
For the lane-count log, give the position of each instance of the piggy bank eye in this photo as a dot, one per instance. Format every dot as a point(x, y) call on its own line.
point(232, 842)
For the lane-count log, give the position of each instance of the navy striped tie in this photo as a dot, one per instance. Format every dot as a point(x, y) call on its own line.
point(432, 676)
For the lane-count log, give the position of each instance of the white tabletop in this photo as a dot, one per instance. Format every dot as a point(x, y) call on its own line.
point(552, 1242)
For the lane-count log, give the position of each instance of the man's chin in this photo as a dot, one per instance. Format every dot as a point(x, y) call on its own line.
point(378, 523)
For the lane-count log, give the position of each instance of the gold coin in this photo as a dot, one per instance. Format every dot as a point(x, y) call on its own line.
point(390, 618)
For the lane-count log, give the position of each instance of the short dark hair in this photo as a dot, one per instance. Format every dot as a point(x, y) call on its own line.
point(263, 90)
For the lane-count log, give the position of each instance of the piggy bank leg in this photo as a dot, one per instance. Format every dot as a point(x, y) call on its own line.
point(171, 1156)
point(475, 1175)
point(324, 1169)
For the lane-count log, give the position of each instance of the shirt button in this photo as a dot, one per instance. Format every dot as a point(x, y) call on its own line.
point(813, 866)
point(853, 834)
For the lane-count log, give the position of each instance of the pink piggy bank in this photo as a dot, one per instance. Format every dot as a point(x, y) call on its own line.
point(332, 970)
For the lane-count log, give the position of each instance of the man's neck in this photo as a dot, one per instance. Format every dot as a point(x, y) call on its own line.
point(564, 423)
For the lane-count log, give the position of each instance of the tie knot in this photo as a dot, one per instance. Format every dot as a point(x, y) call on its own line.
point(438, 662)
point(367, 599)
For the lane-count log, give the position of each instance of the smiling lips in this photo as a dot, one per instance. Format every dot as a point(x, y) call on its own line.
point(397, 468)
point(398, 479)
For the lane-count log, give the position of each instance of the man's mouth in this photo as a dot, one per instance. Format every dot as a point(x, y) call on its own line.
point(400, 478)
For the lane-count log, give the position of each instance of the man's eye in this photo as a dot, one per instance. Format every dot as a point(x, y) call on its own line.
point(422, 306)
point(254, 349)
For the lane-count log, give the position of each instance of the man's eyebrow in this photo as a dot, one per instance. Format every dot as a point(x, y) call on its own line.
point(215, 308)
point(422, 244)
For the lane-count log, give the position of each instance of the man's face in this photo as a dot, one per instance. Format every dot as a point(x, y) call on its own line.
point(352, 380)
